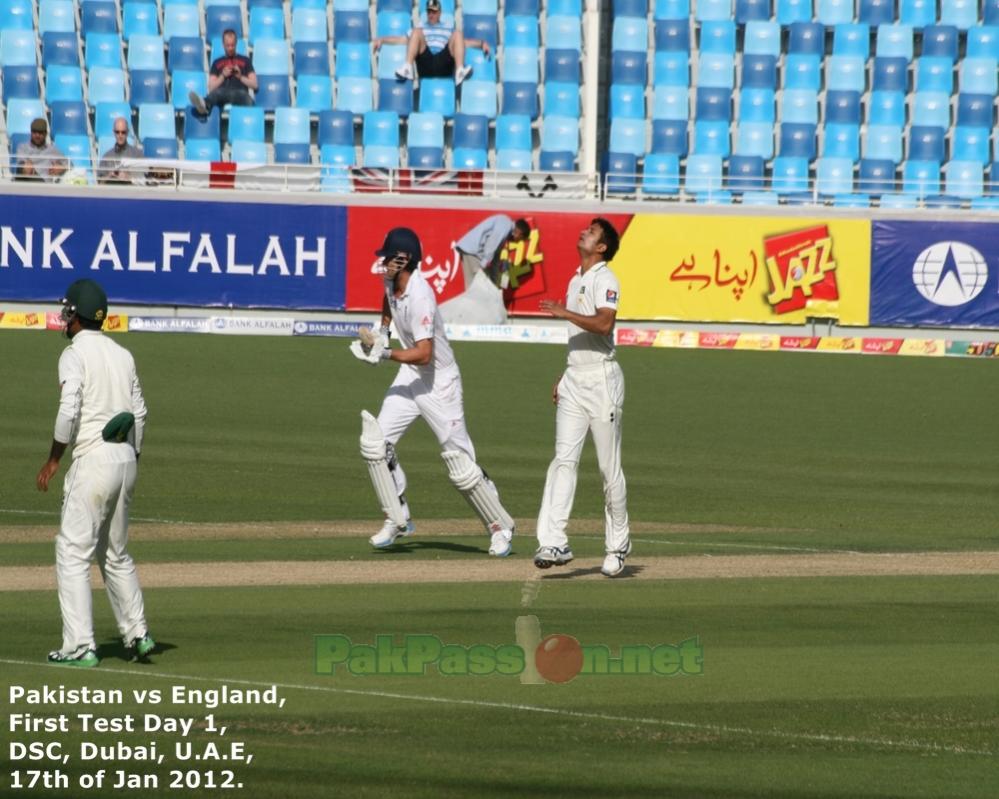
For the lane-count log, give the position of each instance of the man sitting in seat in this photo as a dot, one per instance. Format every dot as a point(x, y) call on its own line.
point(38, 158)
point(437, 49)
point(229, 80)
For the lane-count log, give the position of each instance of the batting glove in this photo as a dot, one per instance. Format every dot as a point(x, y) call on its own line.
point(357, 349)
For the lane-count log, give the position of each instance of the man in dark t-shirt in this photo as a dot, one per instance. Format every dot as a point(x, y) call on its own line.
point(230, 79)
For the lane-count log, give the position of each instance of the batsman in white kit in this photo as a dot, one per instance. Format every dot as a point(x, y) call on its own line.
point(102, 417)
point(429, 385)
point(589, 397)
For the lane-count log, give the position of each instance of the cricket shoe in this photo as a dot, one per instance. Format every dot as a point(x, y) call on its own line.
point(546, 557)
point(389, 533)
point(501, 543)
point(614, 562)
point(141, 646)
point(83, 658)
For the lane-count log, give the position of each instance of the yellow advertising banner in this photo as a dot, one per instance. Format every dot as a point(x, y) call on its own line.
point(756, 269)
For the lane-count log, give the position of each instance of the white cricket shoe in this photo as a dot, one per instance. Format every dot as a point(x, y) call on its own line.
point(405, 72)
point(461, 73)
point(546, 557)
point(501, 543)
point(389, 533)
point(614, 562)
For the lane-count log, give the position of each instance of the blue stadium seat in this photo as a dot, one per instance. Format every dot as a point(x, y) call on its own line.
point(562, 65)
point(710, 10)
point(898, 201)
point(380, 129)
point(145, 52)
point(248, 152)
point(98, 16)
point(291, 126)
point(846, 72)
point(990, 12)
point(894, 41)
point(390, 58)
point(17, 48)
point(669, 136)
point(717, 37)
point(186, 53)
point(626, 136)
point(934, 74)
point(156, 120)
point(852, 39)
point(802, 71)
point(876, 12)
point(425, 157)
point(672, 35)
point(525, 7)
point(703, 174)
point(105, 85)
point(661, 175)
point(797, 140)
point(425, 129)
point(890, 73)
point(336, 128)
point(975, 110)
point(806, 38)
point(671, 69)
point(513, 132)
point(983, 41)
point(56, 16)
point(789, 12)
point(851, 200)
point(926, 143)
point(197, 126)
point(148, 86)
point(834, 12)
point(246, 123)
point(627, 33)
point(479, 97)
point(789, 174)
point(139, 18)
point(22, 81)
point(309, 25)
point(336, 160)
point(561, 134)
point(751, 11)
point(931, 108)
point(397, 96)
point(185, 81)
point(757, 105)
point(834, 176)
point(571, 8)
point(520, 98)
point(514, 160)
point(760, 198)
point(713, 104)
point(917, 13)
point(348, 26)
point(970, 144)
point(940, 40)
point(60, 48)
point(964, 179)
point(271, 57)
point(670, 102)
point(755, 139)
point(800, 105)
point(716, 70)
point(106, 113)
point(475, 26)
point(483, 68)
point(272, 91)
point(712, 137)
point(181, 19)
point(962, 14)
point(520, 65)
point(470, 141)
point(78, 150)
point(69, 117)
point(266, 23)
point(745, 173)
point(521, 31)
point(842, 107)
point(17, 15)
point(288, 153)
point(437, 94)
point(220, 18)
point(978, 76)
point(628, 67)
point(841, 140)
point(883, 143)
point(353, 60)
point(471, 6)
point(314, 93)
point(621, 174)
point(562, 99)
point(759, 72)
point(21, 111)
point(630, 8)
point(562, 161)
point(886, 108)
point(202, 150)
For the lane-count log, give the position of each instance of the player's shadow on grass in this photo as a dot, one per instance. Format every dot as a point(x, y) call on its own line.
point(629, 571)
point(114, 648)
point(410, 547)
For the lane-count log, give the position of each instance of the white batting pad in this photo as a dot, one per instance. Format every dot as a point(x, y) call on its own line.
point(467, 477)
point(374, 453)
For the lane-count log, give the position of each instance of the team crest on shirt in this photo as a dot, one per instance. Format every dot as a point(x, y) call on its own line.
point(611, 296)
point(425, 321)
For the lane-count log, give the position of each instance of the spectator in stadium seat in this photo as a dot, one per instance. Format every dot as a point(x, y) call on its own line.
point(230, 79)
point(110, 169)
point(38, 158)
point(435, 50)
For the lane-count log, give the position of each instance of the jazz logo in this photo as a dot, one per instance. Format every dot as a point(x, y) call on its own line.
point(801, 268)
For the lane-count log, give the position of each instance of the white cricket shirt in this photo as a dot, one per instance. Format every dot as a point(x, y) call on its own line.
point(596, 288)
point(417, 318)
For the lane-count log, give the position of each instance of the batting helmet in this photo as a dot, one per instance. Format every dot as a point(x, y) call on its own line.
point(86, 299)
point(401, 239)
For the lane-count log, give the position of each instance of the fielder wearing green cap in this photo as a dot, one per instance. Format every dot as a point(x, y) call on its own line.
point(102, 417)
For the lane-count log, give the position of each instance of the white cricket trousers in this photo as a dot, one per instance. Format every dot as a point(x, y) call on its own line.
point(441, 406)
point(590, 399)
point(96, 495)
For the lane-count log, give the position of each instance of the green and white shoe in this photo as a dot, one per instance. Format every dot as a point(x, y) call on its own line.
point(83, 658)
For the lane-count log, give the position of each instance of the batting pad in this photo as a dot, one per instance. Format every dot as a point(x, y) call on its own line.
point(468, 478)
point(373, 451)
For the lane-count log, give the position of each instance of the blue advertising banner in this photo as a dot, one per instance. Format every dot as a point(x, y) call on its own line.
point(175, 252)
point(935, 274)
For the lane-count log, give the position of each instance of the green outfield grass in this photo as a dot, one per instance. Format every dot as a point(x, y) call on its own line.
point(845, 687)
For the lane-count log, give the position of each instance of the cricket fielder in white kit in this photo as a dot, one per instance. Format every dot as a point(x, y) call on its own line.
point(589, 397)
point(429, 385)
point(102, 417)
